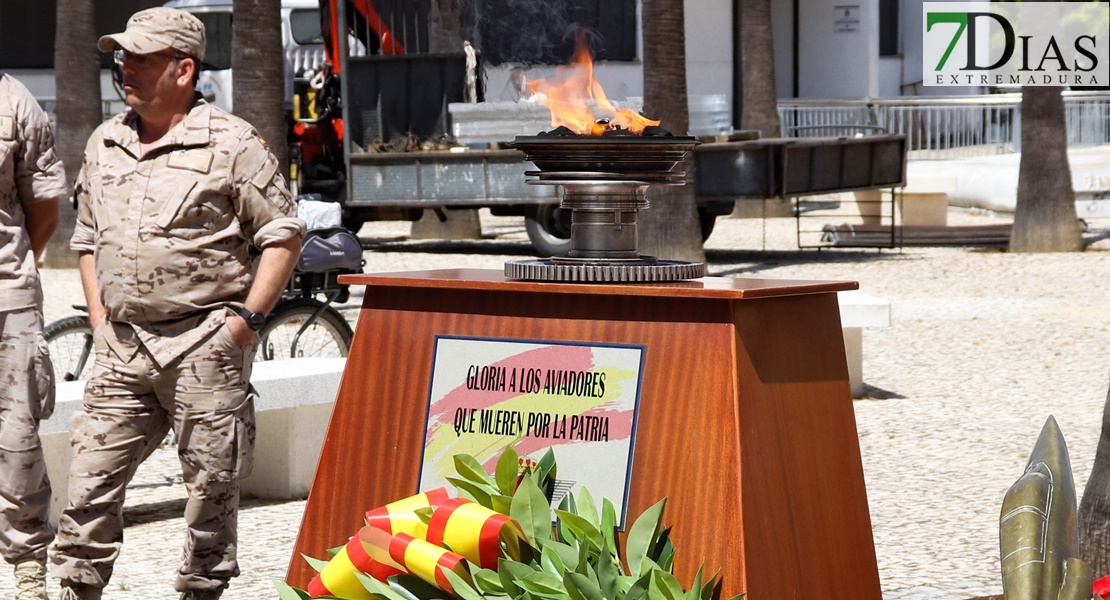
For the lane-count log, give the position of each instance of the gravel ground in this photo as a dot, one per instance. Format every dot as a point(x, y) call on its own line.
point(983, 347)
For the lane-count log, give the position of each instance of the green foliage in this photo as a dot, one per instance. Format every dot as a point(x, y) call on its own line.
point(574, 557)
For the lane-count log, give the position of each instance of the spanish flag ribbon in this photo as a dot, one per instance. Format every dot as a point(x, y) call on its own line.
point(400, 516)
point(364, 553)
point(423, 559)
point(396, 541)
point(474, 531)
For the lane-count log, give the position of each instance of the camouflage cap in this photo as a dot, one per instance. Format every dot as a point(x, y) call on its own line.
point(156, 29)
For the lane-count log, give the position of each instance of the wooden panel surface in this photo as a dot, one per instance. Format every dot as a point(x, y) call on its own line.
point(714, 400)
point(803, 489)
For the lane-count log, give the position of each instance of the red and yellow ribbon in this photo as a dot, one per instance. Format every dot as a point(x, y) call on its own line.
point(396, 541)
point(423, 559)
point(363, 554)
point(474, 531)
point(400, 516)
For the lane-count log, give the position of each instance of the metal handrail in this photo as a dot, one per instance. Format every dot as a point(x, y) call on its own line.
point(949, 126)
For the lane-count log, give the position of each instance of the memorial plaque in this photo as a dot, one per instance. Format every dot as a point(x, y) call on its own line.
point(580, 400)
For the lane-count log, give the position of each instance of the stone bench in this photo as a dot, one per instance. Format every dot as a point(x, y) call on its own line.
point(859, 310)
point(294, 405)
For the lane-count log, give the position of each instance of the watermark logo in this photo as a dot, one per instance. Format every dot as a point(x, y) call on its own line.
point(1016, 43)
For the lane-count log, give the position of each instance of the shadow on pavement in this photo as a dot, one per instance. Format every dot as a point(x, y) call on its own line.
point(741, 262)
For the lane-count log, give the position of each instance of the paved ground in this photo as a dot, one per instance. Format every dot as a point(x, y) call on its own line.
point(983, 347)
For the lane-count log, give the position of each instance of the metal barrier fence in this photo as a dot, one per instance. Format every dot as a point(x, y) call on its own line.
point(948, 127)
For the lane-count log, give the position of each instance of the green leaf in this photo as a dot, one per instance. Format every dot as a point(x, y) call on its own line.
point(510, 571)
point(608, 568)
point(477, 493)
point(424, 514)
point(531, 510)
point(544, 585)
point(582, 587)
point(378, 588)
point(551, 562)
point(461, 587)
point(545, 468)
point(411, 587)
point(668, 587)
point(639, 587)
point(641, 538)
point(470, 469)
point(609, 526)
point(647, 566)
point(335, 550)
point(288, 592)
point(315, 563)
point(584, 560)
point(586, 507)
point(567, 503)
point(712, 588)
point(508, 466)
point(664, 550)
point(567, 554)
point(582, 528)
point(501, 503)
point(695, 588)
point(488, 582)
point(739, 596)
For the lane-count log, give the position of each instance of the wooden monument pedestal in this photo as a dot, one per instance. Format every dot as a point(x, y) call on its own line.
point(745, 416)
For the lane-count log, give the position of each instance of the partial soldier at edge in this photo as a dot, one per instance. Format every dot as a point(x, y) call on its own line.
point(32, 181)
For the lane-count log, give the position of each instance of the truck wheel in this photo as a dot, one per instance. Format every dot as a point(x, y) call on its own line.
point(548, 228)
point(706, 222)
point(352, 220)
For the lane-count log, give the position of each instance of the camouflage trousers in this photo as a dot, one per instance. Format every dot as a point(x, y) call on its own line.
point(130, 404)
point(26, 397)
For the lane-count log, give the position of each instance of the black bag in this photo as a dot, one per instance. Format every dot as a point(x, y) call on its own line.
point(329, 250)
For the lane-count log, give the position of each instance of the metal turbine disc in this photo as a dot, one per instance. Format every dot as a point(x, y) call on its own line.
point(631, 272)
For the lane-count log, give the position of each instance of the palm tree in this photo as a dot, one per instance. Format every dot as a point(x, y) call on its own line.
point(758, 102)
point(258, 71)
point(78, 108)
point(1094, 509)
point(1044, 217)
point(669, 227)
point(444, 30)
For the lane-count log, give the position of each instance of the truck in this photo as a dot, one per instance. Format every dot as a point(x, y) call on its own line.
point(386, 128)
point(371, 121)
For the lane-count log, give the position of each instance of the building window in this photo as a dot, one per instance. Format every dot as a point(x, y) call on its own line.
point(889, 28)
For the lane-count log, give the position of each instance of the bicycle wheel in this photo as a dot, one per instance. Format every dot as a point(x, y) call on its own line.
point(327, 336)
point(71, 347)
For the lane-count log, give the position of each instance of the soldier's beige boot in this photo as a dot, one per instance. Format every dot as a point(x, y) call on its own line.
point(30, 580)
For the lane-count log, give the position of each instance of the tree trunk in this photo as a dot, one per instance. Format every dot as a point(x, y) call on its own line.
point(759, 104)
point(258, 72)
point(1044, 218)
point(444, 31)
point(1094, 509)
point(668, 228)
point(78, 110)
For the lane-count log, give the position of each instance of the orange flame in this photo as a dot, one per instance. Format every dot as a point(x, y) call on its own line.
point(577, 101)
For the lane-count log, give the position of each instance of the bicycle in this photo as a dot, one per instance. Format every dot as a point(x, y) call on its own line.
point(299, 326)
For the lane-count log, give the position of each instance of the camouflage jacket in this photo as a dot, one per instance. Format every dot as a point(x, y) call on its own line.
point(171, 229)
point(29, 172)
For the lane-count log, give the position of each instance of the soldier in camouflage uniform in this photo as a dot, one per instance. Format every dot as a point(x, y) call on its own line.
point(31, 181)
point(171, 195)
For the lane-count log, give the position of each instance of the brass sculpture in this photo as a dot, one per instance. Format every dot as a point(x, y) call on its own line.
point(1037, 529)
